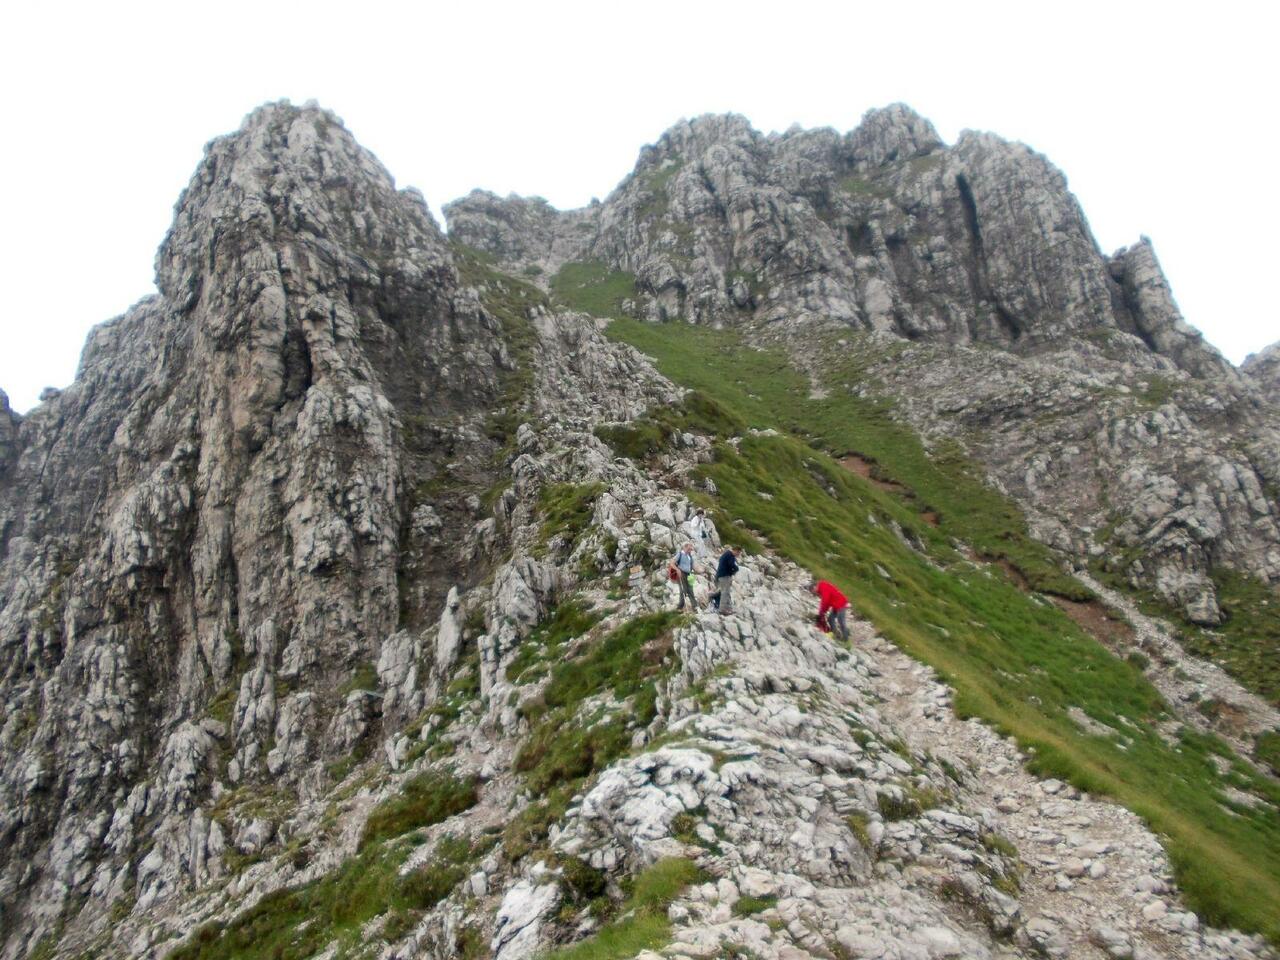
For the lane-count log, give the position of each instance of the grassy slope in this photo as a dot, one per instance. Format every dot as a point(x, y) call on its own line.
point(1015, 661)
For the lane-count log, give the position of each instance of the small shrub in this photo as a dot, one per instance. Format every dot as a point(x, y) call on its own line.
point(528, 829)
point(365, 677)
point(999, 844)
point(583, 881)
point(639, 440)
point(897, 808)
point(428, 885)
point(643, 924)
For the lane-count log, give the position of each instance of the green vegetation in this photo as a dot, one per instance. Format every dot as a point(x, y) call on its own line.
point(646, 436)
point(1015, 662)
point(655, 183)
point(1246, 644)
point(545, 644)
point(590, 286)
point(528, 830)
point(999, 844)
point(858, 824)
point(566, 510)
point(1266, 750)
point(638, 440)
point(365, 677)
point(644, 924)
point(912, 803)
point(423, 800)
point(464, 689)
point(747, 906)
point(565, 747)
point(1156, 391)
point(300, 922)
point(862, 187)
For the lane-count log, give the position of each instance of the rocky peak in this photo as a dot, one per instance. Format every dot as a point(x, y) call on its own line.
point(1155, 317)
point(885, 229)
point(889, 134)
point(219, 522)
point(689, 139)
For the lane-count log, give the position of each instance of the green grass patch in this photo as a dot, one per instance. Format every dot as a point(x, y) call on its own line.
point(1157, 391)
point(761, 389)
point(591, 287)
point(564, 747)
point(365, 677)
point(646, 436)
point(748, 906)
point(655, 183)
point(644, 924)
point(545, 644)
point(566, 510)
point(1015, 662)
point(1266, 750)
point(299, 922)
point(528, 830)
point(425, 799)
point(639, 440)
point(1247, 642)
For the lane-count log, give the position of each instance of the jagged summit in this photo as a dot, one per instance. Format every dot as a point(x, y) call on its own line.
point(883, 228)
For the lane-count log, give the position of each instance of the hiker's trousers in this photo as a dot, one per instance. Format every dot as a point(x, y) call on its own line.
point(726, 601)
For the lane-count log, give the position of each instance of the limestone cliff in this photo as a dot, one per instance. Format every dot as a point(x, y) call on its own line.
point(206, 536)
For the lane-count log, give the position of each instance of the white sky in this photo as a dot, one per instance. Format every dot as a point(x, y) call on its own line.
point(1161, 115)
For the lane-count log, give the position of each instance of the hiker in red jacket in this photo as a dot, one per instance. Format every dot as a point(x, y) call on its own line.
point(832, 608)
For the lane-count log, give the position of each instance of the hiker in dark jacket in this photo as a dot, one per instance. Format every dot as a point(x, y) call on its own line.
point(833, 607)
point(728, 566)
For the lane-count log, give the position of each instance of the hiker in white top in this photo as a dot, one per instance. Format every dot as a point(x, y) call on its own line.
point(700, 529)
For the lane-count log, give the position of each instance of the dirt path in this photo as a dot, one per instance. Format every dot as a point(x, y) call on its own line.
point(1096, 883)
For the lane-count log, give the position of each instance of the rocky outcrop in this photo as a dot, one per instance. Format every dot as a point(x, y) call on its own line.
point(1264, 368)
point(1156, 318)
point(8, 432)
point(883, 228)
point(204, 534)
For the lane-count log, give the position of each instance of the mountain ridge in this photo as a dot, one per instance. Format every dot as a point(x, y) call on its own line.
point(332, 599)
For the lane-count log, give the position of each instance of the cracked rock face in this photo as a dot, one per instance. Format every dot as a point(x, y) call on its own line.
point(883, 228)
point(215, 511)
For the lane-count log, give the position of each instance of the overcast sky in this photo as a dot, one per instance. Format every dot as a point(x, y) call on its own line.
point(1161, 117)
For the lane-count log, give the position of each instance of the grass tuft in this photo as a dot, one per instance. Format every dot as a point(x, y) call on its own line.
point(426, 799)
point(643, 924)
